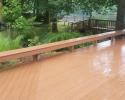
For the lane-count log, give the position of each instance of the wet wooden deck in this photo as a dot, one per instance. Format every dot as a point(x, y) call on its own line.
point(94, 73)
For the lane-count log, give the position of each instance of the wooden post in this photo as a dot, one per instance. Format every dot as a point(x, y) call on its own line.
point(71, 48)
point(113, 39)
point(72, 27)
point(123, 37)
point(95, 43)
point(64, 23)
point(35, 57)
point(68, 24)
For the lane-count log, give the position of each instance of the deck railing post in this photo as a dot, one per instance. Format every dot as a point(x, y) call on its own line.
point(123, 37)
point(71, 48)
point(95, 43)
point(113, 39)
point(35, 57)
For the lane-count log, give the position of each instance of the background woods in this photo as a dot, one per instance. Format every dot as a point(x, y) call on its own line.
point(34, 22)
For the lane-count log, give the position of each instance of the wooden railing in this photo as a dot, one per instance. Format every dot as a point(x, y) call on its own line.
point(103, 23)
point(36, 50)
point(99, 26)
point(95, 25)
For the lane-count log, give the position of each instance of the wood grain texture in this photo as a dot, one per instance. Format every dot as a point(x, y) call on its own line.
point(94, 73)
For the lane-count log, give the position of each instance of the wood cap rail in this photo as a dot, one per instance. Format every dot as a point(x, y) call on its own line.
point(35, 50)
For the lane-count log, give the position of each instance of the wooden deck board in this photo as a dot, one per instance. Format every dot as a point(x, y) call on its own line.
point(94, 73)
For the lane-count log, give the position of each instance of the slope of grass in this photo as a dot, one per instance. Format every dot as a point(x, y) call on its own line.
point(54, 37)
point(6, 43)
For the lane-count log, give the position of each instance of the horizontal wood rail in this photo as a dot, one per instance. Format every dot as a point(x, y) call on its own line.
point(36, 50)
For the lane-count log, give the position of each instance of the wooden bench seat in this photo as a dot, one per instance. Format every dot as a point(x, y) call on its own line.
point(36, 50)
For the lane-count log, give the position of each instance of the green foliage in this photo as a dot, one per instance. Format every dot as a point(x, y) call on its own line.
point(34, 41)
point(6, 43)
point(90, 6)
point(54, 7)
point(23, 25)
point(11, 11)
point(12, 14)
point(54, 37)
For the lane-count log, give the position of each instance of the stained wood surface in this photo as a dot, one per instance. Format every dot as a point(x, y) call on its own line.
point(94, 73)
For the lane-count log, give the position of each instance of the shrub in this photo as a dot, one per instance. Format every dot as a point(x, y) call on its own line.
point(34, 41)
point(6, 43)
point(53, 37)
point(11, 11)
point(12, 14)
point(23, 25)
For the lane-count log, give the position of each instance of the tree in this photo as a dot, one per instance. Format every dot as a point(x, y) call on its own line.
point(57, 6)
point(96, 5)
point(50, 9)
point(120, 24)
point(1, 3)
point(11, 11)
point(90, 6)
point(12, 15)
point(39, 8)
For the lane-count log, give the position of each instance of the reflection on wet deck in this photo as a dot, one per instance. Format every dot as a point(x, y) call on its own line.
point(94, 73)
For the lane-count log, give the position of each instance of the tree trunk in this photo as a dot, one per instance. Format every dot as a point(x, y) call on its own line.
point(47, 17)
point(1, 3)
point(54, 27)
point(89, 21)
point(22, 3)
point(120, 23)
